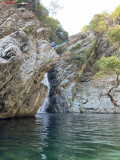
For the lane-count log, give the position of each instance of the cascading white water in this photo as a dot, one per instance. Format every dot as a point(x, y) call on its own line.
point(45, 104)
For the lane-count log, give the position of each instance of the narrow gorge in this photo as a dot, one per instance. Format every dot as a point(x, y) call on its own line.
point(59, 78)
point(59, 94)
point(73, 88)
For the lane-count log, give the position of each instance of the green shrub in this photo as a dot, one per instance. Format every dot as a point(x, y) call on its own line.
point(59, 50)
point(26, 30)
point(75, 47)
point(79, 58)
point(90, 60)
point(98, 24)
point(102, 27)
point(114, 36)
point(109, 65)
point(115, 14)
point(95, 67)
point(92, 48)
point(81, 109)
point(85, 28)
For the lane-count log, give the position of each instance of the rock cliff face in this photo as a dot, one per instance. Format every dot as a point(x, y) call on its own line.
point(72, 87)
point(25, 56)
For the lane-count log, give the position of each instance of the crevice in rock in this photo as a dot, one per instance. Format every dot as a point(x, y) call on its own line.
point(35, 82)
point(57, 103)
point(8, 55)
point(4, 86)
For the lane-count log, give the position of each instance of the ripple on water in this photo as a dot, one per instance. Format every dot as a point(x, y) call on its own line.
point(61, 137)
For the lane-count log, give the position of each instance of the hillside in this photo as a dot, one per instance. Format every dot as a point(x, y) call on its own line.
point(75, 88)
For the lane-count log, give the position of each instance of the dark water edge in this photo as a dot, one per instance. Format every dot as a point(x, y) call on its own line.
point(61, 137)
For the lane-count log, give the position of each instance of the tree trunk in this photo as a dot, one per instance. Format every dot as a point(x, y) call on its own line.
point(111, 97)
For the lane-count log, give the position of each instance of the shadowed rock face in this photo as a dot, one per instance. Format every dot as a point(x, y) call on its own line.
point(25, 56)
point(72, 87)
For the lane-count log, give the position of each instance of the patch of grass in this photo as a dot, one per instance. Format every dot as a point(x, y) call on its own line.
point(79, 58)
point(81, 109)
point(75, 47)
point(26, 30)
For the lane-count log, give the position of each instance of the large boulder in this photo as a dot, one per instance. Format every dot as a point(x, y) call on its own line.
point(25, 56)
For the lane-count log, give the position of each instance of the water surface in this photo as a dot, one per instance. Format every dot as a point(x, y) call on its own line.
point(61, 137)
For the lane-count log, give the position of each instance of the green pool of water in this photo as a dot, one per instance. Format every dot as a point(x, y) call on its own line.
point(61, 137)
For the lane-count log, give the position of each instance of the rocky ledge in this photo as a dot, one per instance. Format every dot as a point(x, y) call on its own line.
point(25, 56)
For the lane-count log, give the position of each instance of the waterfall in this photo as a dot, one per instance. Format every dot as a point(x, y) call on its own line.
point(45, 104)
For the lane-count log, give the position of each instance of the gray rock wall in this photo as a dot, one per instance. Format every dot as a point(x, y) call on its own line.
point(25, 56)
point(73, 87)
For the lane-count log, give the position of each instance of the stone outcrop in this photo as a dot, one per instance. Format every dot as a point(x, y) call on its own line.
point(25, 56)
point(72, 87)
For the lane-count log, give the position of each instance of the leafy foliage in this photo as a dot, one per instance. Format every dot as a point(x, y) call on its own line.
point(115, 14)
point(114, 35)
point(54, 7)
point(85, 28)
point(75, 47)
point(102, 27)
point(59, 50)
point(98, 24)
point(26, 30)
point(108, 64)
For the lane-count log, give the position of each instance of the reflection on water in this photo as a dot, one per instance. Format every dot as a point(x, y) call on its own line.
point(61, 137)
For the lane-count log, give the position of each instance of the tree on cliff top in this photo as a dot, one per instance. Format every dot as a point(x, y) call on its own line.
point(98, 24)
point(85, 28)
point(115, 15)
point(54, 7)
point(109, 65)
point(114, 36)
